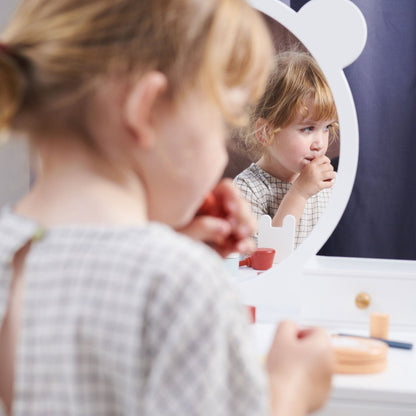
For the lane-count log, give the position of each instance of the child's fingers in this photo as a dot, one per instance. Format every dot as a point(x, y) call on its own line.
point(326, 184)
point(228, 194)
point(224, 205)
point(236, 208)
point(304, 332)
point(330, 174)
point(245, 246)
point(242, 219)
point(208, 229)
point(314, 334)
point(321, 160)
point(287, 330)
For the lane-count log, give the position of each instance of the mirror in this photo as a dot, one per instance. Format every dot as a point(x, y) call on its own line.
point(311, 26)
point(244, 148)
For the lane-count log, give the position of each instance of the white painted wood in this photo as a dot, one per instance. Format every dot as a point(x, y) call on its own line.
point(330, 285)
point(282, 239)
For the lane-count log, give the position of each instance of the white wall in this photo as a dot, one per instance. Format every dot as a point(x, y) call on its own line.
point(14, 160)
point(6, 9)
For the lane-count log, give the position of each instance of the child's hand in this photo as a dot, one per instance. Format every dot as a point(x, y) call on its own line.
point(314, 177)
point(224, 221)
point(300, 365)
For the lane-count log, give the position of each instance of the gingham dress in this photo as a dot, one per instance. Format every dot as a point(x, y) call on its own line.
point(127, 321)
point(265, 193)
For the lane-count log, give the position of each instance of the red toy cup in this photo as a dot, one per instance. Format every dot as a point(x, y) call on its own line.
point(261, 259)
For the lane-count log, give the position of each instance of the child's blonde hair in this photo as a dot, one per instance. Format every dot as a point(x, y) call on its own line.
point(296, 86)
point(56, 53)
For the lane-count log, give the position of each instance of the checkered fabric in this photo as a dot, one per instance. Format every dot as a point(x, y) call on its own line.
point(128, 321)
point(265, 193)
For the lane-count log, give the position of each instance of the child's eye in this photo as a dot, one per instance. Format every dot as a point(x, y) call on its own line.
point(307, 129)
point(328, 127)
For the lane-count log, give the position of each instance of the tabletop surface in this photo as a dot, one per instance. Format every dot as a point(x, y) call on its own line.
point(397, 383)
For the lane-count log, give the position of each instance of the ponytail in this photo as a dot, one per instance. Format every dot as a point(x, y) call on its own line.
point(13, 84)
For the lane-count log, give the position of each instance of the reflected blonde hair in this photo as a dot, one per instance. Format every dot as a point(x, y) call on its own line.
point(297, 86)
point(60, 51)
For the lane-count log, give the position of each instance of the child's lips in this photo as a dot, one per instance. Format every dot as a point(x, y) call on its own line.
point(310, 158)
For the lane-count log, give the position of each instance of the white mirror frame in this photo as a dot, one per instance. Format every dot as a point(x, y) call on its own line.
point(335, 33)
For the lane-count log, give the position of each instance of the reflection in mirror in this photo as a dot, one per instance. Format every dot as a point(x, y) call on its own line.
point(334, 31)
point(281, 162)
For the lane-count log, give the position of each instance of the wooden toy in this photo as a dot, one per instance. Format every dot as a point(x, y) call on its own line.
point(282, 239)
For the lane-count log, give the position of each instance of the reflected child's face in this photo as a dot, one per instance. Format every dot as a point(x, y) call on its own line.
point(296, 145)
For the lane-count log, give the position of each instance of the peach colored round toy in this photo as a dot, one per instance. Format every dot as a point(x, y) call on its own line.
point(355, 355)
point(261, 259)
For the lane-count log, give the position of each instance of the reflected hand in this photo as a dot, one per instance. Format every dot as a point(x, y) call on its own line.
point(315, 176)
point(224, 221)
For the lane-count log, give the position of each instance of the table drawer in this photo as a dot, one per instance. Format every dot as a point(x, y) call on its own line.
point(331, 289)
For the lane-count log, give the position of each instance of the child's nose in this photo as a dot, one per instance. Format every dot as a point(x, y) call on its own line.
point(318, 141)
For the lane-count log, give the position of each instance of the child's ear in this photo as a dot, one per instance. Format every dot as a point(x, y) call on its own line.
point(262, 131)
point(140, 103)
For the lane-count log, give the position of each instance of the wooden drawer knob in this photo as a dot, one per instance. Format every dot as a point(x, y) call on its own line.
point(363, 300)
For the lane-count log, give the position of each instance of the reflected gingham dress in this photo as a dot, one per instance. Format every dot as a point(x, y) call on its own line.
point(265, 192)
point(127, 321)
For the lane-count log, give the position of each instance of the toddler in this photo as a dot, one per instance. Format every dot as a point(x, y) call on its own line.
point(105, 309)
point(291, 127)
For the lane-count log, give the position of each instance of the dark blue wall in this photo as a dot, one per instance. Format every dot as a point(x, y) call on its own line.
point(380, 219)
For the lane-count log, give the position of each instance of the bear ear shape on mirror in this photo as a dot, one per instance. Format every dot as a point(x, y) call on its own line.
point(334, 26)
point(333, 31)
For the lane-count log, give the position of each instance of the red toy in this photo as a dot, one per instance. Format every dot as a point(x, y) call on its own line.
point(261, 259)
point(211, 206)
point(252, 313)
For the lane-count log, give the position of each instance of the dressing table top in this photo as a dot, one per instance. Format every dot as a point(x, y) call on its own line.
point(392, 285)
point(394, 386)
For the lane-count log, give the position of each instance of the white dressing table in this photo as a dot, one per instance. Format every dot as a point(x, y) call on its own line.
point(391, 287)
point(390, 393)
point(331, 286)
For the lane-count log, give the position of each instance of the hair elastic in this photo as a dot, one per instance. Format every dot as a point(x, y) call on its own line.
point(4, 48)
point(22, 62)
